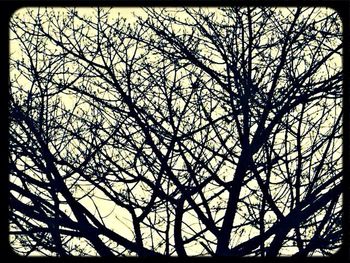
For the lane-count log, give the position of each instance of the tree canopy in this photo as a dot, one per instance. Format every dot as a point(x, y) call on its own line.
point(175, 131)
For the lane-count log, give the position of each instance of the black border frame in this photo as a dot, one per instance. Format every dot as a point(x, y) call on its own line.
point(8, 7)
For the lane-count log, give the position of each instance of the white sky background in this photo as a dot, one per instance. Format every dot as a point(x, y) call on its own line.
point(106, 207)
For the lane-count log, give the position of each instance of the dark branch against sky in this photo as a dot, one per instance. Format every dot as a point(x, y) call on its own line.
point(175, 131)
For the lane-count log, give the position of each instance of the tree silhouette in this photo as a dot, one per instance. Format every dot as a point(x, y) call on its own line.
point(175, 131)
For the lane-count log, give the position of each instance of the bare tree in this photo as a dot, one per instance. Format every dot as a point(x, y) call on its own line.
point(178, 132)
